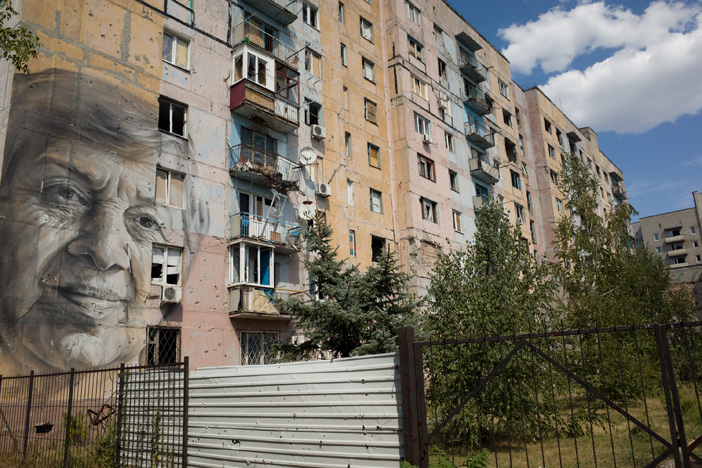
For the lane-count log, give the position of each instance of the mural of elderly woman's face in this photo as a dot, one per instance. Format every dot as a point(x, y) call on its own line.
point(77, 224)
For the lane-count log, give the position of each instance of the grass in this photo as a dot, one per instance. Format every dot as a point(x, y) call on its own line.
point(603, 446)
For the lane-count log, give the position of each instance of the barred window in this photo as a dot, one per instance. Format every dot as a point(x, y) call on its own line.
point(256, 346)
point(163, 346)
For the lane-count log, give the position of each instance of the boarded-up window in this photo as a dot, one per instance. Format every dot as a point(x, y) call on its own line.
point(371, 111)
point(169, 188)
point(373, 155)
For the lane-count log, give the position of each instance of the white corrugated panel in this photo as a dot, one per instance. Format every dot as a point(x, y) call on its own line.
point(322, 414)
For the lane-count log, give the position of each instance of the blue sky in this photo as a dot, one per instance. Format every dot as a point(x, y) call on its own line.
point(631, 70)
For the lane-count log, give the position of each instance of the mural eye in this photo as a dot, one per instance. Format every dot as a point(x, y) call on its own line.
point(64, 196)
point(147, 222)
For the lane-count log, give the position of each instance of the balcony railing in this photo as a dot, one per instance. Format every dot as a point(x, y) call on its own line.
point(480, 202)
point(255, 102)
point(283, 11)
point(477, 100)
point(249, 32)
point(674, 239)
point(484, 171)
point(677, 253)
point(471, 67)
point(479, 134)
point(272, 230)
point(618, 191)
point(264, 167)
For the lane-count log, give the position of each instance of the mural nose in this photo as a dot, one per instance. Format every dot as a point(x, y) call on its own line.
point(103, 243)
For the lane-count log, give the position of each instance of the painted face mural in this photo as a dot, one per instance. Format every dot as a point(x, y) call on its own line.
point(77, 223)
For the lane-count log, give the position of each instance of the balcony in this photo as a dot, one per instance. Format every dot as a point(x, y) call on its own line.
point(674, 239)
point(262, 106)
point(470, 67)
point(679, 265)
point(484, 171)
point(677, 253)
point(477, 100)
point(259, 166)
point(479, 134)
point(283, 11)
point(249, 32)
point(480, 202)
point(619, 192)
point(285, 237)
point(257, 302)
point(468, 42)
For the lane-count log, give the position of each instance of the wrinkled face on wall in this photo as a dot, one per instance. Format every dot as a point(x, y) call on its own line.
point(77, 223)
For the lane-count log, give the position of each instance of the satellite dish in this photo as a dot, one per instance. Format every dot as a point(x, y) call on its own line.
point(307, 211)
point(307, 155)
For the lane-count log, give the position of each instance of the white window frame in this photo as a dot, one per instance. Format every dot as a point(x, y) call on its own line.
point(504, 88)
point(344, 54)
point(173, 107)
point(171, 179)
point(376, 201)
point(366, 29)
point(310, 15)
point(449, 142)
point(457, 225)
point(655, 237)
point(342, 13)
point(245, 269)
point(167, 261)
point(313, 63)
point(559, 205)
point(368, 69)
point(175, 41)
point(349, 192)
point(422, 126)
point(413, 13)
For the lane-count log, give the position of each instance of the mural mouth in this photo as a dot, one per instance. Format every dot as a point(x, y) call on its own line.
point(91, 299)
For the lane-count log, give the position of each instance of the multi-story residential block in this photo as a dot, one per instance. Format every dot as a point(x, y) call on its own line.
point(163, 160)
point(674, 235)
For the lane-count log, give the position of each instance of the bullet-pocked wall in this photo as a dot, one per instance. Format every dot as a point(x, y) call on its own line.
point(116, 189)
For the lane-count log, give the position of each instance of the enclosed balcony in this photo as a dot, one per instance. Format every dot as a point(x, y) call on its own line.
point(476, 99)
point(258, 302)
point(470, 67)
point(618, 191)
point(258, 104)
point(264, 167)
point(483, 170)
point(252, 32)
point(283, 11)
point(283, 236)
point(479, 134)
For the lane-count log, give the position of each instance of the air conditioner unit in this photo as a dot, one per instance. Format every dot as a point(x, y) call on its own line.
point(323, 190)
point(443, 103)
point(426, 138)
point(171, 294)
point(319, 132)
point(442, 96)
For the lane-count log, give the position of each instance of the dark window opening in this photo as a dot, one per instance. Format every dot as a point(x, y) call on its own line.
point(377, 247)
point(163, 346)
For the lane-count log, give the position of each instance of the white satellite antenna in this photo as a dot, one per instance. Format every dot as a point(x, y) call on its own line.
point(307, 155)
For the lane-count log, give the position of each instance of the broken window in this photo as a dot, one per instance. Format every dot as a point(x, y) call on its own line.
point(426, 167)
point(429, 211)
point(166, 265)
point(377, 247)
point(172, 116)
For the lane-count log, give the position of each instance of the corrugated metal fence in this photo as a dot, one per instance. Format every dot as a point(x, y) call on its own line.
point(321, 414)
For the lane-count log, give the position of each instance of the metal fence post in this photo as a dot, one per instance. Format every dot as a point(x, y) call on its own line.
point(410, 397)
point(67, 441)
point(663, 359)
point(29, 412)
point(186, 388)
point(120, 413)
point(686, 462)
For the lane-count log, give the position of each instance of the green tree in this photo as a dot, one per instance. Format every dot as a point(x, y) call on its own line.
point(491, 287)
point(348, 312)
point(605, 280)
point(18, 44)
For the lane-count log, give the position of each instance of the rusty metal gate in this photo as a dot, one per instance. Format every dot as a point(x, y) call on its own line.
point(619, 396)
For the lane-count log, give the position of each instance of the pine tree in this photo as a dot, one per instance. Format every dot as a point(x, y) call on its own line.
point(347, 312)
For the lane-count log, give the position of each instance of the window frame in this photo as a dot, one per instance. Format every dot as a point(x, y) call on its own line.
point(515, 179)
point(503, 88)
point(310, 15)
point(369, 27)
point(413, 13)
point(343, 51)
point(174, 38)
point(368, 65)
point(453, 181)
point(342, 13)
point(308, 112)
point(371, 147)
point(457, 224)
point(313, 61)
point(163, 280)
point(448, 139)
point(430, 210)
point(416, 48)
point(168, 188)
point(153, 345)
point(379, 195)
point(425, 124)
point(352, 243)
point(419, 87)
point(162, 100)
point(265, 337)
point(370, 109)
point(426, 167)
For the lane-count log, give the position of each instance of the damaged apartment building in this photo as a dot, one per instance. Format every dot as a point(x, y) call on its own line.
point(178, 149)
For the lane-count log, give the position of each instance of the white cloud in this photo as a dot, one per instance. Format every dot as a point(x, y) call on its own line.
point(652, 75)
point(694, 162)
